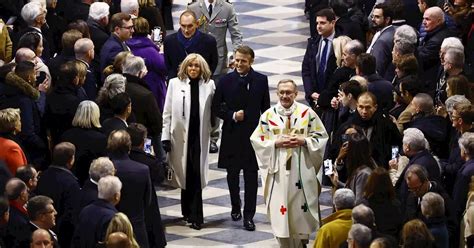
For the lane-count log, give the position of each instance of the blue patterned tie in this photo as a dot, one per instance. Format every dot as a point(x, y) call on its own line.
point(322, 66)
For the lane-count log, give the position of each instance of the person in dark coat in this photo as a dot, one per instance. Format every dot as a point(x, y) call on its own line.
point(144, 106)
point(344, 24)
point(122, 108)
point(57, 25)
point(240, 99)
point(85, 134)
point(419, 184)
point(97, 23)
point(58, 183)
point(17, 193)
point(311, 7)
point(154, 226)
point(428, 49)
point(84, 52)
point(42, 216)
point(95, 218)
point(152, 14)
point(68, 40)
point(135, 177)
point(62, 102)
point(143, 47)
point(100, 167)
point(463, 178)
point(17, 91)
point(122, 29)
point(316, 71)
point(432, 208)
point(415, 148)
point(189, 40)
point(382, 42)
point(380, 87)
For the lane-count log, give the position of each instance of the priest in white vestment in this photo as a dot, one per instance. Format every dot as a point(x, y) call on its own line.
point(289, 143)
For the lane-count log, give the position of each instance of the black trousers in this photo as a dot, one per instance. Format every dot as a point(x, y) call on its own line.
point(251, 185)
point(191, 197)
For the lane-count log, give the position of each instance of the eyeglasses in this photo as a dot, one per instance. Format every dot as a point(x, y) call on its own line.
point(129, 27)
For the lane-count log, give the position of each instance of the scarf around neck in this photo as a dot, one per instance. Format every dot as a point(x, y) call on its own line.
point(187, 43)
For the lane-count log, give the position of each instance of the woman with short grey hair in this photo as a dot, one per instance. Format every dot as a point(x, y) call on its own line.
point(463, 178)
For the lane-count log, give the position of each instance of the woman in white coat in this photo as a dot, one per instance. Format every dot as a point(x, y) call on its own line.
point(186, 128)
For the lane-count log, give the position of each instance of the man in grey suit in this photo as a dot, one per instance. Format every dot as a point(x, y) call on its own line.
point(215, 17)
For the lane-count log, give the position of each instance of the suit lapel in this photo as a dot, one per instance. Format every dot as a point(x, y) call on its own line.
point(216, 10)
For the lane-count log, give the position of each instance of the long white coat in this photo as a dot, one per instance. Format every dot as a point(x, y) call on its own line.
point(176, 122)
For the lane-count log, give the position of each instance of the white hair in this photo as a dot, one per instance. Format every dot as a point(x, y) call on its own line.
point(361, 234)
point(452, 42)
point(466, 143)
point(98, 10)
point(344, 199)
point(133, 65)
point(406, 33)
point(415, 138)
point(108, 186)
point(453, 100)
point(101, 167)
point(42, 2)
point(30, 11)
point(129, 6)
point(82, 46)
point(455, 56)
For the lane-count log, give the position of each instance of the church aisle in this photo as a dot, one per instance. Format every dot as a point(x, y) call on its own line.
point(277, 30)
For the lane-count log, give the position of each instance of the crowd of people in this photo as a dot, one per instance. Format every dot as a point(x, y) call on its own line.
point(99, 104)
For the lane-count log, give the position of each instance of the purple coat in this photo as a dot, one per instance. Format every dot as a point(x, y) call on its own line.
point(155, 63)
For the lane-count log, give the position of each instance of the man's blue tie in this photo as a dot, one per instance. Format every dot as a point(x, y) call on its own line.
point(322, 67)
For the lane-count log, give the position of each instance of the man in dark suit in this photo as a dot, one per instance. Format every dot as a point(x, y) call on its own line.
point(154, 226)
point(17, 193)
point(319, 61)
point(58, 183)
point(42, 216)
point(366, 66)
point(100, 167)
point(95, 218)
point(68, 40)
point(135, 177)
point(188, 40)
point(145, 108)
point(122, 29)
point(84, 52)
point(382, 44)
point(97, 23)
point(122, 108)
point(240, 99)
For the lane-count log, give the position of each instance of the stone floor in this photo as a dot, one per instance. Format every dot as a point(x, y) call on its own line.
point(277, 30)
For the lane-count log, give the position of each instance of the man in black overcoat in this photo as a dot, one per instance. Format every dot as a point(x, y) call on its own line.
point(240, 99)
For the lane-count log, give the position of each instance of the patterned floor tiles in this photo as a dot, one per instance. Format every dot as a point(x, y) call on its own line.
point(277, 31)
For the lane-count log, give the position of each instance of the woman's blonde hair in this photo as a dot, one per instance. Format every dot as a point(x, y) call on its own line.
point(81, 69)
point(87, 115)
point(9, 117)
point(116, 67)
point(205, 71)
point(121, 223)
point(338, 46)
point(114, 84)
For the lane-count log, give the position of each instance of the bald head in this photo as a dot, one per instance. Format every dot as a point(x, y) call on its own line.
point(15, 189)
point(41, 238)
point(433, 18)
point(24, 54)
point(118, 240)
point(84, 49)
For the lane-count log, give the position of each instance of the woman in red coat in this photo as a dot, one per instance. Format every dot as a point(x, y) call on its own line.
point(11, 152)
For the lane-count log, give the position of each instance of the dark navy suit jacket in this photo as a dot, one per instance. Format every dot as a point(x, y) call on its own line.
point(136, 193)
point(461, 186)
point(231, 97)
point(175, 53)
point(93, 222)
point(110, 49)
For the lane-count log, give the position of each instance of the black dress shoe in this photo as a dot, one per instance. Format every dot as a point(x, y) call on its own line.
point(236, 216)
point(213, 148)
point(249, 225)
point(195, 226)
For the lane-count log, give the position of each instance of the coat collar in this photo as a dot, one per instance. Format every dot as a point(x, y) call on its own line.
point(14, 80)
point(136, 80)
point(345, 214)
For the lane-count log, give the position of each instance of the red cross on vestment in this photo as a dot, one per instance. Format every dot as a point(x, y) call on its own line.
point(282, 210)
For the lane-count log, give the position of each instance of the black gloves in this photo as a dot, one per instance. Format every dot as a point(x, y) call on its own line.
point(166, 145)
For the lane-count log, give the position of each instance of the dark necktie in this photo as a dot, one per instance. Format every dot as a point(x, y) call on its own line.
point(322, 66)
point(210, 10)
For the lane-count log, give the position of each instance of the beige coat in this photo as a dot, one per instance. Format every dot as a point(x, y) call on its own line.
point(176, 122)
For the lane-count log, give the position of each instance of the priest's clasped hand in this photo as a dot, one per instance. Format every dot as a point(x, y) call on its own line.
point(290, 141)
